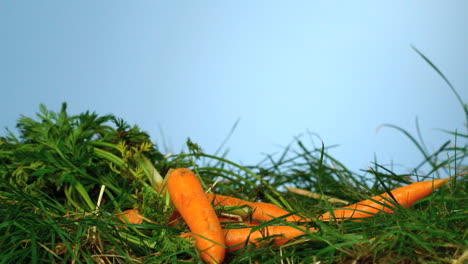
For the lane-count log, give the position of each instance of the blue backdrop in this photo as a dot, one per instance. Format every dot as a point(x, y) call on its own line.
point(181, 69)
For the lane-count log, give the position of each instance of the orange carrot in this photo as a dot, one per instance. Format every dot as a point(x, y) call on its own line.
point(260, 210)
point(404, 196)
point(237, 238)
point(189, 198)
point(130, 216)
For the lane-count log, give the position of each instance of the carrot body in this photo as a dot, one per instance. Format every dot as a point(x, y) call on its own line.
point(260, 210)
point(239, 237)
point(189, 198)
point(130, 216)
point(404, 196)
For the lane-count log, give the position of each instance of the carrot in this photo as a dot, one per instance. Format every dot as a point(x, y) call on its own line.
point(239, 237)
point(317, 196)
point(188, 197)
point(130, 216)
point(404, 196)
point(260, 210)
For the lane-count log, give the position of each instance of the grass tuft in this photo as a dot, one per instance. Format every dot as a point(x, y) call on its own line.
point(53, 208)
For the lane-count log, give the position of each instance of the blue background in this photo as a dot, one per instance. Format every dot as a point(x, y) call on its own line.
point(285, 69)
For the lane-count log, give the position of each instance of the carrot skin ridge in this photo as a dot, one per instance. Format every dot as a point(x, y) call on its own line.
point(405, 196)
point(189, 198)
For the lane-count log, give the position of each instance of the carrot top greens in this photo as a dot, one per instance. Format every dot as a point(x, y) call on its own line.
point(64, 179)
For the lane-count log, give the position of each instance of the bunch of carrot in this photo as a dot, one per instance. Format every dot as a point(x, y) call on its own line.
point(212, 240)
point(195, 207)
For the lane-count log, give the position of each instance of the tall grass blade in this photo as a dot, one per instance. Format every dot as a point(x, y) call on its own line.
point(231, 132)
point(460, 100)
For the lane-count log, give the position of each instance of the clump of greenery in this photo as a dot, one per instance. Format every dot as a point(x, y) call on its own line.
point(64, 178)
point(51, 178)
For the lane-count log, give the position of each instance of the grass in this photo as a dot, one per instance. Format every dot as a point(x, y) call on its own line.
point(53, 208)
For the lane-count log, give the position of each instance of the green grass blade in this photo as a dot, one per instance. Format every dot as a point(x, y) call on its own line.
point(460, 100)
